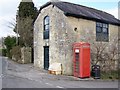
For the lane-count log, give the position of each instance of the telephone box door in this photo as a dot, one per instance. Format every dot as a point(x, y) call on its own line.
point(81, 60)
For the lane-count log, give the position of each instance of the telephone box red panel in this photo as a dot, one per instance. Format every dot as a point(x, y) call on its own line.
point(81, 60)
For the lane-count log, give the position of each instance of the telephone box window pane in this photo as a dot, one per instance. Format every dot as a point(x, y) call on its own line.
point(77, 56)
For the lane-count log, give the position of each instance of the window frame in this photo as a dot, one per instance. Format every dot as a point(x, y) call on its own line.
point(101, 35)
point(46, 24)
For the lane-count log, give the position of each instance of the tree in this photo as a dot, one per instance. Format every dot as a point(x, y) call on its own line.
point(25, 29)
point(9, 42)
point(27, 9)
point(27, 14)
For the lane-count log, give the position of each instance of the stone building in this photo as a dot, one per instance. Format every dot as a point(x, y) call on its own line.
point(60, 24)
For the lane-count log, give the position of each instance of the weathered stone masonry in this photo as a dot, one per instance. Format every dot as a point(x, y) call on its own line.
point(64, 31)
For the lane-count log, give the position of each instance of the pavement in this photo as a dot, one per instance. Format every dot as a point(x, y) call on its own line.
point(33, 73)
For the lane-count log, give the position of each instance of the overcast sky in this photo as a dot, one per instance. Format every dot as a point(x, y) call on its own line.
point(8, 10)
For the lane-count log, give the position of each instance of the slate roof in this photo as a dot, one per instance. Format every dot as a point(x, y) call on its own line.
point(80, 11)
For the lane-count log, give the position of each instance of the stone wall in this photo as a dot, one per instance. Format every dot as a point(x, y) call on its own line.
point(60, 42)
point(25, 55)
point(21, 55)
point(86, 32)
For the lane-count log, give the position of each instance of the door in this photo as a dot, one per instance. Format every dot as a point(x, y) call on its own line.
point(76, 64)
point(46, 57)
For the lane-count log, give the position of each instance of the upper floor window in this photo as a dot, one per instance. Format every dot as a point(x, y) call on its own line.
point(102, 33)
point(46, 27)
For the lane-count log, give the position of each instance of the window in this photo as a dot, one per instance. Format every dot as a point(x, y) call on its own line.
point(46, 27)
point(102, 32)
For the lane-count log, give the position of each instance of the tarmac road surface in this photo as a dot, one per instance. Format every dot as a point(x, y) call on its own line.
point(14, 75)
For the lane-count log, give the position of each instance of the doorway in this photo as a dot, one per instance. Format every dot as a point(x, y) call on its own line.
point(46, 57)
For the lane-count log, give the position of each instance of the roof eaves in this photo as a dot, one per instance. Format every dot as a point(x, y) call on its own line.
point(45, 5)
point(90, 18)
point(80, 16)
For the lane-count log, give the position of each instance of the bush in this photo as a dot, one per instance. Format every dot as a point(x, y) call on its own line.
point(0, 52)
point(9, 42)
point(4, 52)
point(16, 53)
point(109, 75)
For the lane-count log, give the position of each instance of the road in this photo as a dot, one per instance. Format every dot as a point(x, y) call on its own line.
point(21, 76)
point(0, 73)
point(11, 81)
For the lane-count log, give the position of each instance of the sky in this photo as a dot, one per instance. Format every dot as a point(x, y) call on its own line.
point(8, 9)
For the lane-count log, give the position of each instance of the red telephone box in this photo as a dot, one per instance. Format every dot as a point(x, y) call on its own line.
point(81, 60)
